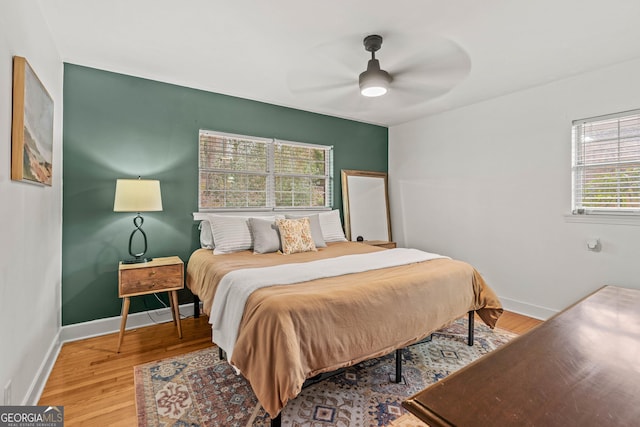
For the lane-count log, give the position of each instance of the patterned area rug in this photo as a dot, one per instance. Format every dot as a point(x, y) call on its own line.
point(198, 390)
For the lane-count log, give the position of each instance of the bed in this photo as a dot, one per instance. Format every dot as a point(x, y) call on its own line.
point(289, 333)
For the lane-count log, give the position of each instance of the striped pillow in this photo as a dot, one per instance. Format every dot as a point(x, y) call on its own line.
point(231, 233)
point(331, 226)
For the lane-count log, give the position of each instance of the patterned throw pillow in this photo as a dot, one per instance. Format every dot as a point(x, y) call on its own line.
point(295, 235)
point(316, 229)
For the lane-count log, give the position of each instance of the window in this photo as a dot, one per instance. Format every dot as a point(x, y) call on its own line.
point(606, 164)
point(245, 172)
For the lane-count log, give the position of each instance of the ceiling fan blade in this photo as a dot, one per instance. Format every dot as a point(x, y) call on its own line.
point(443, 73)
point(346, 52)
point(308, 87)
point(418, 93)
point(332, 65)
point(436, 61)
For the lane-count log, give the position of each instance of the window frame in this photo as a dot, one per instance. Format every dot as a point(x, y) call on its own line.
point(578, 167)
point(271, 144)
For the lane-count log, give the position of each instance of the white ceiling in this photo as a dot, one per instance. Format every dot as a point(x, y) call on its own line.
point(308, 54)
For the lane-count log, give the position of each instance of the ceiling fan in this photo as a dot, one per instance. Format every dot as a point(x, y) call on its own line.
point(374, 81)
point(417, 68)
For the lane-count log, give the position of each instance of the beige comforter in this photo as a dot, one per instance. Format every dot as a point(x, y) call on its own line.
point(290, 333)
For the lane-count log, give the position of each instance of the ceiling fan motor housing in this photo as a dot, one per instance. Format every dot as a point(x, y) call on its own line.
point(374, 72)
point(372, 43)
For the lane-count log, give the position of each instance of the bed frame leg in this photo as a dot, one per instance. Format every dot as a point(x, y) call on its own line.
point(196, 306)
point(399, 365)
point(221, 354)
point(277, 421)
point(471, 322)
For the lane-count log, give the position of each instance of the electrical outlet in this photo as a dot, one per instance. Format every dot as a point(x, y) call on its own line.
point(7, 394)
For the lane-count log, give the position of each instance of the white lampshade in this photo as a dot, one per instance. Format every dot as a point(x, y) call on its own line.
point(137, 195)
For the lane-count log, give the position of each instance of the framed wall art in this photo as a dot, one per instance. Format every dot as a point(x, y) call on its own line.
point(32, 126)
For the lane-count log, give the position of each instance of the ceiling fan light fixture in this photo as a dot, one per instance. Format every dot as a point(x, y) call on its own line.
point(374, 81)
point(373, 91)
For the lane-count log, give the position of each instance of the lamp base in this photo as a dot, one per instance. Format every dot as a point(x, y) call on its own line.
point(136, 260)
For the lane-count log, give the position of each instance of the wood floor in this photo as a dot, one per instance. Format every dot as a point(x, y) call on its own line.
point(95, 384)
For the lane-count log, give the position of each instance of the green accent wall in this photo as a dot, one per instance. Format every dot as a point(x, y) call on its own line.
point(119, 126)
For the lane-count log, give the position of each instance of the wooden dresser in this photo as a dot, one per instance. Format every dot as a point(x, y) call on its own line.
point(579, 368)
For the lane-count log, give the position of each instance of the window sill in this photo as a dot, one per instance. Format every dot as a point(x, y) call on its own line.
point(202, 214)
point(603, 219)
point(265, 210)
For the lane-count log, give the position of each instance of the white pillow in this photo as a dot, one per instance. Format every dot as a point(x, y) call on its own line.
point(232, 233)
point(206, 238)
point(331, 226)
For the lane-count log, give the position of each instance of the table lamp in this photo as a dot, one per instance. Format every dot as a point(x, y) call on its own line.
point(137, 195)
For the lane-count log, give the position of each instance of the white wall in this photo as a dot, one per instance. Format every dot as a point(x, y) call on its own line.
point(30, 217)
point(490, 184)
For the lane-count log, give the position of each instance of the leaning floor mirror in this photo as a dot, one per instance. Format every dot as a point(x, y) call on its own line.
point(365, 203)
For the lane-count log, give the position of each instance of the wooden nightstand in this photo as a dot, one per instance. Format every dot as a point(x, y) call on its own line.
point(158, 275)
point(381, 243)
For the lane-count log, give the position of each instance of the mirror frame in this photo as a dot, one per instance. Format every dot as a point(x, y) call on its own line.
point(346, 173)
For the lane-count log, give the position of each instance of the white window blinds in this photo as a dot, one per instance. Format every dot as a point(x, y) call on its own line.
point(302, 175)
point(606, 164)
point(244, 172)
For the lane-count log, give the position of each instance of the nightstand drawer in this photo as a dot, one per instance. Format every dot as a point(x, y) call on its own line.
point(146, 280)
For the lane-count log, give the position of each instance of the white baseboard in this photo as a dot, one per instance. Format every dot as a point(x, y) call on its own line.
point(535, 311)
point(90, 329)
point(94, 328)
point(40, 379)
